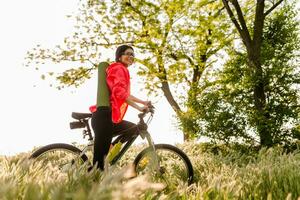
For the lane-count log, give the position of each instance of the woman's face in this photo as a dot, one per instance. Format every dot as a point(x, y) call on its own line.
point(128, 57)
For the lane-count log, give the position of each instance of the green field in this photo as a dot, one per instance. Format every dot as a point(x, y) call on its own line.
point(224, 172)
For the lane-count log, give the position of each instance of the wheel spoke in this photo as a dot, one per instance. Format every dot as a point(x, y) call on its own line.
point(172, 167)
point(61, 159)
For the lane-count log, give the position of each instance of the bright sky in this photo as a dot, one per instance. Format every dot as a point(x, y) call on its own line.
point(34, 114)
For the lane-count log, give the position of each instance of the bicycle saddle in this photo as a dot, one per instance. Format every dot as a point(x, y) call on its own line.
point(80, 116)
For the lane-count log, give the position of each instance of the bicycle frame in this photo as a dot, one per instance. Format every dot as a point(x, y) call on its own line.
point(142, 131)
point(143, 134)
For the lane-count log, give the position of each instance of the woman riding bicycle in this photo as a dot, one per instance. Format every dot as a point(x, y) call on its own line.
point(107, 121)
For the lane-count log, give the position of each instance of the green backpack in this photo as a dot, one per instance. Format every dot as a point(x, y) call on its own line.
point(102, 89)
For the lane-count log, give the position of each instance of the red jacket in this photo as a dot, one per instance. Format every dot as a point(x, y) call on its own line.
point(118, 82)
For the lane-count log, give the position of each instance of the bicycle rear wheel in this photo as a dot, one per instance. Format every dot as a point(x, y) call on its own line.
point(59, 156)
point(174, 165)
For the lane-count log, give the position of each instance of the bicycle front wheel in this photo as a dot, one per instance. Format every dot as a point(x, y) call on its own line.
point(59, 156)
point(174, 166)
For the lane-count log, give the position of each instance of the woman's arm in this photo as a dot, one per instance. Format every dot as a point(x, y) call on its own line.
point(137, 100)
point(132, 103)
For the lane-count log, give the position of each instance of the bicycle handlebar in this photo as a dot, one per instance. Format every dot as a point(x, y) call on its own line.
point(151, 110)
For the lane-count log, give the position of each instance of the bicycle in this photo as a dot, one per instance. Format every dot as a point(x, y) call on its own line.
point(163, 161)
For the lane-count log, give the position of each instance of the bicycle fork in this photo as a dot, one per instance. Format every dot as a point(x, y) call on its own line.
point(153, 154)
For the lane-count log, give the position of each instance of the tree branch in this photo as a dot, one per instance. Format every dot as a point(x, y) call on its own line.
point(168, 94)
point(272, 8)
point(82, 75)
point(183, 54)
point(111, 44)
point(231, 15)
point(166, 89)
point(94, 64)
point(243, 32)
point(242, 20)
point(218, 12)
point(196, 74)
point(258, 25)
point(143, 17)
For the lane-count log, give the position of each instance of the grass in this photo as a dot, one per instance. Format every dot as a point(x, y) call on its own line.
point(221, 172)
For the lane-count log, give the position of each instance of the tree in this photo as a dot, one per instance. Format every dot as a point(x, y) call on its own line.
point(178, 39)
point(232, 109)
point(253, 43)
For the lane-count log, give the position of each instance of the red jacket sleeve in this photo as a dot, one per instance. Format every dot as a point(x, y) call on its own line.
point(118, 84)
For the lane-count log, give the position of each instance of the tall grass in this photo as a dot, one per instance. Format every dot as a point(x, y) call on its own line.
point(224, 172)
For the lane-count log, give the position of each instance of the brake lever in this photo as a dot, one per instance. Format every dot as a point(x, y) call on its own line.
point(144, 112)
point(151, 109)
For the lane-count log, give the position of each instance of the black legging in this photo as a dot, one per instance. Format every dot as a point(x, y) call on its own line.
point(105, 130)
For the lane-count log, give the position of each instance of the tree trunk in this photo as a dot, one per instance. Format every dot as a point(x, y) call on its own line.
point(168, 94)
point(261, 117)
point(186, 137)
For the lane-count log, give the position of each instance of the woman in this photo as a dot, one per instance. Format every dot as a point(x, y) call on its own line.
point(107, 121)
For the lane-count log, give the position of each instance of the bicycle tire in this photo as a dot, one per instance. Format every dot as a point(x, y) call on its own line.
point(171, 148)
point(58, 146)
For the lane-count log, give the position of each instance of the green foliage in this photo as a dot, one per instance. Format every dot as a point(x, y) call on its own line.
point(281, 73)
point(176, 42)
point(227, 107)
point(74, 76)
point(222, 172)
point(172, 37)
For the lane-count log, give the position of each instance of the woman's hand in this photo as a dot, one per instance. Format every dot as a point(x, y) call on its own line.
point(143, 109)
point(146, 103)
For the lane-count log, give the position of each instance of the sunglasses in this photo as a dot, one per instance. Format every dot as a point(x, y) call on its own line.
point(128, 54)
